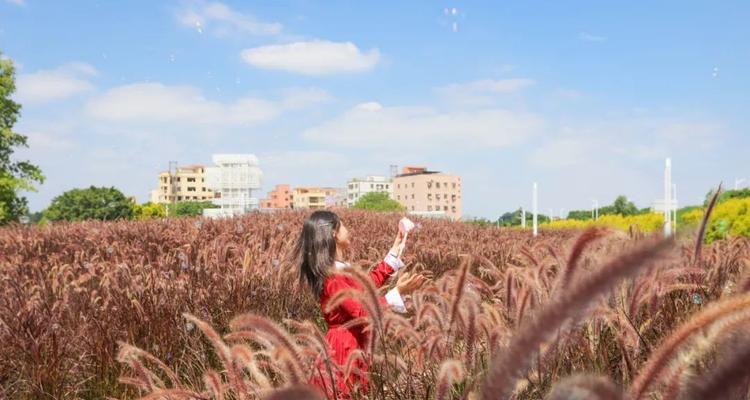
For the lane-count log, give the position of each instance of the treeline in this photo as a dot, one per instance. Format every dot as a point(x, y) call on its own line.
point(109, 204)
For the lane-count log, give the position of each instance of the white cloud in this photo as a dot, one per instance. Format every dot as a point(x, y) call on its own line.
point(45, 141)
point(17, 2)
point(371, 125)
point(155, 102)
point(57, 84)
point(587, 37)
point(293, 167)
point(562, 152)
point(703, 132)
point(296, 98)
point(148, 103)
point(316, 57)
point(481, 92)
point(222, 20)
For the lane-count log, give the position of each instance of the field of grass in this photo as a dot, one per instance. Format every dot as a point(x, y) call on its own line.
point(193, 308)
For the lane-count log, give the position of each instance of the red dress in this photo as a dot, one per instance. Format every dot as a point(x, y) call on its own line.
point(342, 341)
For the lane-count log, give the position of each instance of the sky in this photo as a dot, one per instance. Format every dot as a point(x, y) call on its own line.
point(587, 98)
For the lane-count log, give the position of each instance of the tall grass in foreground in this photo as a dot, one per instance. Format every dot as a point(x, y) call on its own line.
point(211, 310)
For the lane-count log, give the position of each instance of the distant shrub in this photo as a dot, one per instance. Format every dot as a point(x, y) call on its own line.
point(645, 222)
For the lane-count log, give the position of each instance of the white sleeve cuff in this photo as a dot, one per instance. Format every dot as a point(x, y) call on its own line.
point(394, 262)
point(393, 298)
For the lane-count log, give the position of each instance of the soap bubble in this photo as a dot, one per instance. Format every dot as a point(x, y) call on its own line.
point(198, 27)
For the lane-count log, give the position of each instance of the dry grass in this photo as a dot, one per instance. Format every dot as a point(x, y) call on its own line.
point(210, 309)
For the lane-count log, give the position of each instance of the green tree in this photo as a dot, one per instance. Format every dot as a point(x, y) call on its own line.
point(580, 215)
point(378, 201)
point(727, 194)
point(190, 208)
point(91, 203)
point(15, 176)
point(149, 211)
point(514, 218)
point(624, 207)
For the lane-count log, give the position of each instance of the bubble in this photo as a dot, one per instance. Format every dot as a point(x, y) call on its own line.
point(715, 72)
point(156, 348)
point(696, 298)
point(184, 266)
point(280, 227)
point(110, 250)
point(171, 58)
point(455, 27)
point(189, 326)
point(275, 263)
point(199, 27)
point(198, 224)
point(454, 11)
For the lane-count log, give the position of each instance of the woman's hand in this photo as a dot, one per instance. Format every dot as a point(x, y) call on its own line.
point(408, 283)
point(396, 248)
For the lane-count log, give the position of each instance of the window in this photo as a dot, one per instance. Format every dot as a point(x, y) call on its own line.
point(453, 209)
point(445, 208)
point(429, 196)
point(203, 189)
point(412, 208)
point(454, 185)
point(398, 186)
point(437, 185)
point(429, 185)
point(453, 198)
point(437, 197)
point(179, 198)
point(371, 186)
point(178, 179)
point(412, 196)
point(191, 189)
point(429, 208)
point(191, 179)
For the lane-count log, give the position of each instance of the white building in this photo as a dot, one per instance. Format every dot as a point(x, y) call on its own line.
point(357, 188)
point(233, 179)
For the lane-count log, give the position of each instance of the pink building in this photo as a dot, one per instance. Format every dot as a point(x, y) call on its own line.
point(279, 197)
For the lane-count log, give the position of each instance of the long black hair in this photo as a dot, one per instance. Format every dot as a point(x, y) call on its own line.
point(315, 251)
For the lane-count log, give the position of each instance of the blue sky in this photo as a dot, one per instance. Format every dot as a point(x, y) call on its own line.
point(585, 98)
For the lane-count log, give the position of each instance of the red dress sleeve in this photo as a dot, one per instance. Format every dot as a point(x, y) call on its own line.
point(385, 269)
point(349, 308)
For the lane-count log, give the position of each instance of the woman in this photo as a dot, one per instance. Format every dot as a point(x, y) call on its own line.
point(319, 252)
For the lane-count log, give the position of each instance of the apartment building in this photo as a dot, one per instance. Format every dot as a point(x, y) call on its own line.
point(358, 187)
point(312, 197)
point(186, 183)
point(420, 190)
point(235, 178)
point(279, 197)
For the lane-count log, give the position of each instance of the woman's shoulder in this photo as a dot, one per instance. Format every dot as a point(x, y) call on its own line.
point(335, 280)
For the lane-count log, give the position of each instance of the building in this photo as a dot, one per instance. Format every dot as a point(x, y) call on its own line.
point(279, 197)
point(182, 184)
point(315, 197)
point(357, 188)
point(426, 192)
point(234, 179)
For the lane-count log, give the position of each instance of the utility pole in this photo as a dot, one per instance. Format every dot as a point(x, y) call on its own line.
point(668, 198)
point(535, 207)
point(674, 208)
point(523, 218)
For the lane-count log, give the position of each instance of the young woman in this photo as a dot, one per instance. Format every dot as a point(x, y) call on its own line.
point(319, 252)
